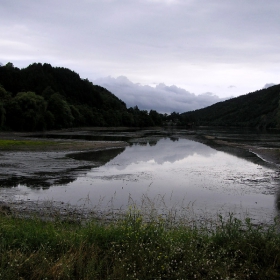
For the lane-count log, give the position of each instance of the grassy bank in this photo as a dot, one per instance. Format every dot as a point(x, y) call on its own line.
point(21, 144)
point(134, 249)
point(8, 144)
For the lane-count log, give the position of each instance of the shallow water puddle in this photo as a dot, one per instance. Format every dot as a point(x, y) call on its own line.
point(178, 173)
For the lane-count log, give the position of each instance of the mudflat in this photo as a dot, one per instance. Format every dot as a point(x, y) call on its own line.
point(44, 162)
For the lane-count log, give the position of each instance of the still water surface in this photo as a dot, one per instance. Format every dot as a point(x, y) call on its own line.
point(177, 171)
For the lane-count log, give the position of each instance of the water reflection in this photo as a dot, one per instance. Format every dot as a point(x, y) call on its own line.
point(83, 136)
point(100, 157)
point(176, 170)
point(163, 151)
point(152, 143)
point(39, 181)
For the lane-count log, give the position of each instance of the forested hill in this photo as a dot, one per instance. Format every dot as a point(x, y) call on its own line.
point(43, 97)
point(257, 109)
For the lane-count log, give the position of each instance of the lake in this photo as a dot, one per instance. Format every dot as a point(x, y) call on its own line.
point(169, 170)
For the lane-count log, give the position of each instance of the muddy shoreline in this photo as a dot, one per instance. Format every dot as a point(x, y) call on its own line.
point(268, 154)
point(17, 163)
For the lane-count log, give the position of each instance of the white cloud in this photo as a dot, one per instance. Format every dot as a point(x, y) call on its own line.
point(162, 98)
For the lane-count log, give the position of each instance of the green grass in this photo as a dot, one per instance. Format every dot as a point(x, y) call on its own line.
point(13, 143)
point(132, 248)
point(24, 144)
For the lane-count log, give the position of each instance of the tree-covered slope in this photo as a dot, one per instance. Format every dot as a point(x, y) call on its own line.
point(256, 109)
point(44, 97)
point(37, 77)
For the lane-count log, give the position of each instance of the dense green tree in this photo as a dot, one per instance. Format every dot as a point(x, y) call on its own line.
point(277, 119)
point(113, 117)
point(2, 115)
point(61, 111)
point(77, 117)
point(49, 120)
point(26, 111)
point(156, 117)
point(4, 98)
point(127, 119)
point(4, 95)
point(76, 91)
point(10, 78)
point(9, 65)
point(47, 93)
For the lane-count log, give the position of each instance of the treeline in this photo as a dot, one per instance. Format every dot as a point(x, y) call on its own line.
point(259, 109)
point(42, 97)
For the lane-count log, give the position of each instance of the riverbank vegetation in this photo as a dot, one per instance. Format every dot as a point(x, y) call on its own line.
point(136, 248)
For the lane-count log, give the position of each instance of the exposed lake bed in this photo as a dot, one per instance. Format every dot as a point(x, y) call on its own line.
point(203, 171)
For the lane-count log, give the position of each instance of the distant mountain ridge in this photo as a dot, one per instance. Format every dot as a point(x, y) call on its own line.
point(259, 109)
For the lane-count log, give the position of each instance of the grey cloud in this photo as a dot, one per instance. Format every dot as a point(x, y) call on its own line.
point(147, 40)
point(184, 30)
point(162, 98)
point(268, 85)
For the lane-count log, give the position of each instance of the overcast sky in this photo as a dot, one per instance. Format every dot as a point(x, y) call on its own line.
point(190, 51)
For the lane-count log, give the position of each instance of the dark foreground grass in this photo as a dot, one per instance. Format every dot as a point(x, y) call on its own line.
point(134, 249)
